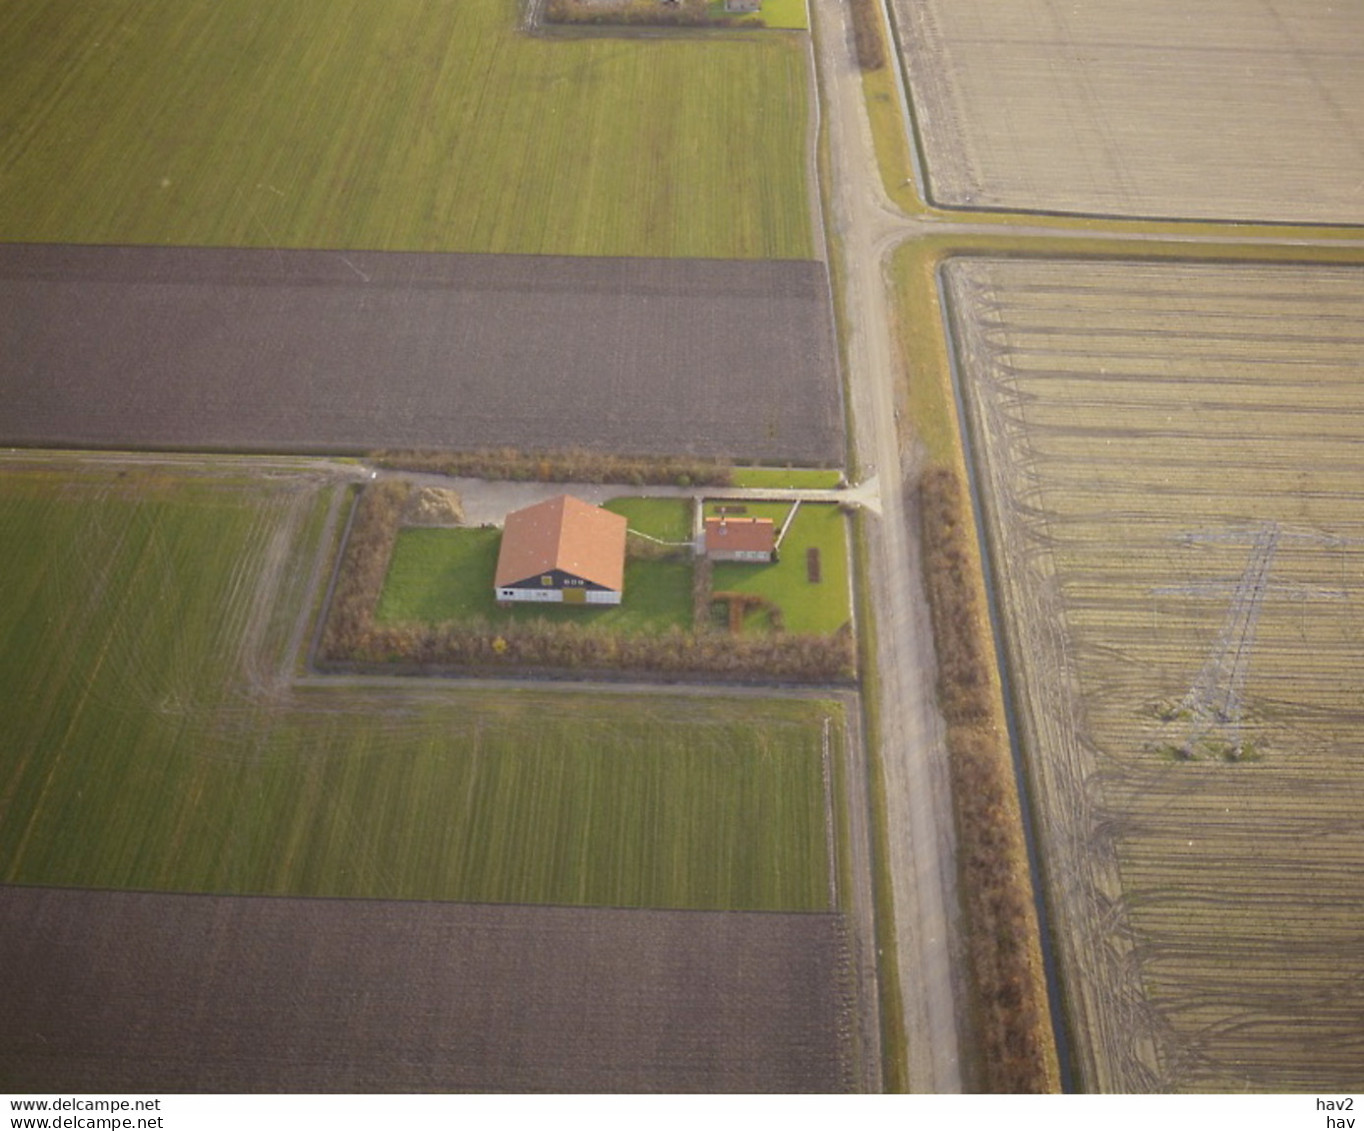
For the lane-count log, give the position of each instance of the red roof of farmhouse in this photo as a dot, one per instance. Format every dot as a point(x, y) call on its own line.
point(567, 534)
point(739, 534)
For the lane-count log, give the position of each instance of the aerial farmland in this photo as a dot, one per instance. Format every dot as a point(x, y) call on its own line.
point(422, 227)
point(1026, 765)
point(1170, 465)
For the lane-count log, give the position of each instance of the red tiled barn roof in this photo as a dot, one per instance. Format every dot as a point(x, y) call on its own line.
point(567, 534)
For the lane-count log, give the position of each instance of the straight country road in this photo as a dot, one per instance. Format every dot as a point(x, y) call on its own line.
point(912, 751)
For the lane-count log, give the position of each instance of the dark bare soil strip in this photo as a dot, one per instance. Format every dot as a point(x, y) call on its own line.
point(124, 991)
point(324, 351)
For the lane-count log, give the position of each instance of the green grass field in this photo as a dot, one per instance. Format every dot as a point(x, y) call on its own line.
point(424, 125)
point(820, 607)
point(151, 742)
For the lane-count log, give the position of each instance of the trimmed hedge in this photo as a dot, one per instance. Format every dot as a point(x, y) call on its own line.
point(640, 13)
point(569, 465)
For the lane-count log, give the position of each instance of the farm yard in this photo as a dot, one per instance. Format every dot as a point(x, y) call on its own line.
point(441, 574)
point(308, 351)
point(444, 573)
point(206, 993)
point(1236, 111)
point(415, 125)
point(1170, 466)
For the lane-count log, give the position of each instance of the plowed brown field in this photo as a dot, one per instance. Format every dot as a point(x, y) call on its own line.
point(333, 351)
point(126, 991)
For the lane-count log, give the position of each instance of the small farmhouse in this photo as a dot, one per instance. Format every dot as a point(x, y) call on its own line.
point(743, 5)
point(729, 539)
point(562, 550)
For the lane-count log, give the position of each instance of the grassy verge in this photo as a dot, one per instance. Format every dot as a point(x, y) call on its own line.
point(142, 752)
point(401, 126)
point(894, 1038)
point(890, 139)
point(812, 478)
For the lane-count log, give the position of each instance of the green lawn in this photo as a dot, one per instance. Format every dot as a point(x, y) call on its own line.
point(816, 478)
point(147, 744)
point(785, 14)
point(790, 14)
point(806, 607)
point(447, 574)
point(666, 519)
point(430, 125)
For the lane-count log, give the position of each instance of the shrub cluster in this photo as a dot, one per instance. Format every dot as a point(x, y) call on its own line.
point(964, 689)
point(364, 564)
point(353, 638)
point(568, 465)
point(867, 40)
point(680, 13)
point(996, 886)
point(739, 605)
point(559, 646)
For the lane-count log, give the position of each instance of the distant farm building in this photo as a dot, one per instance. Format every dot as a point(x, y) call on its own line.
point(562, 550)
point(743, 5)
point(729, 539)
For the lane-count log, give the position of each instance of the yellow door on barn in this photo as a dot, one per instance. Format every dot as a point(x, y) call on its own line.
point(575, 596)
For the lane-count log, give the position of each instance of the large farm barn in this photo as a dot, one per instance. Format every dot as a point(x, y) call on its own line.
point(562, 550)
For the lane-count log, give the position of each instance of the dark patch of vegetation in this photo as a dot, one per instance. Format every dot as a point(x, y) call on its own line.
point(996, 886)
point(568, 465)
point(741, 604)
point(364, 564)
point(644, 13)
point(867, 38)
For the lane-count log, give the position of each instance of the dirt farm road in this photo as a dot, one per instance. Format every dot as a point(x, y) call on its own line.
point(913, 751)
